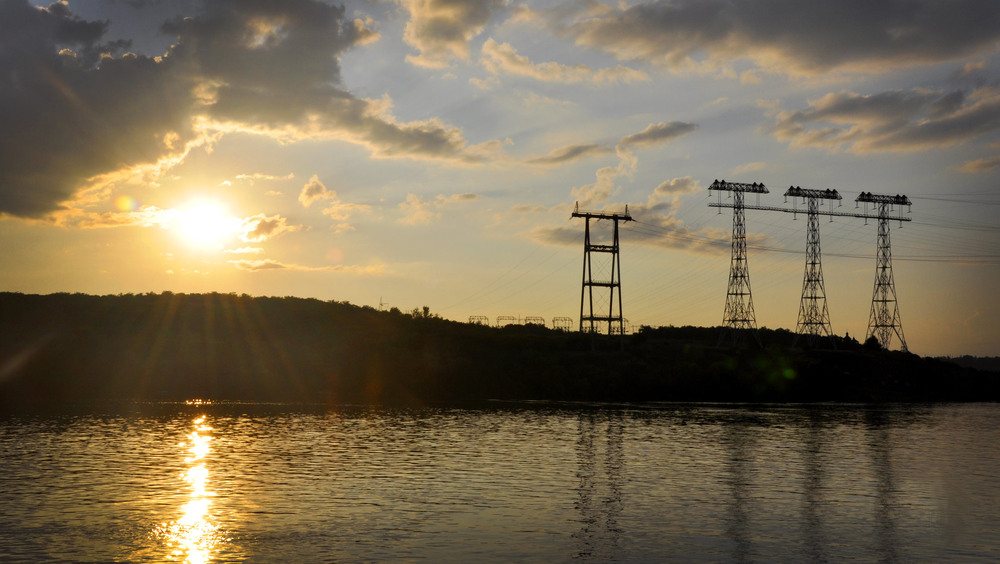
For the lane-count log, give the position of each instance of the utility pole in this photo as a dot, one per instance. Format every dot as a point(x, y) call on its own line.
point(739, 313)
point(884, 320)
point(589, 319)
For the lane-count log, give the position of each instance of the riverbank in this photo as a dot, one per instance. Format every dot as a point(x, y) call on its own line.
point(229, 347)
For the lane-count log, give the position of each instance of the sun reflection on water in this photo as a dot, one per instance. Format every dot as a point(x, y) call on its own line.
point(194, 536)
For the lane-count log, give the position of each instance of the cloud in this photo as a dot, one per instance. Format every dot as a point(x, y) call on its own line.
point(569, 153)
point(786, 36)
point(441, 29)
point(417, 211)
point(245, 251)
point(656, 133)
point(251, 178)
point(663, 231)
point(73, 108)
point(674, 187)
point(145, 216)
point(669, 232)
point(500, 58)
point(314, 190)
point(662, 203)
point(896, 121)
point(604, 186)
point(259, 228)
point(337, 210)
point(257, 265)
point(270, 264)
point(981, 165)
point(80, 114)
point(656, 224)
point(749, 167)
point(341, 212)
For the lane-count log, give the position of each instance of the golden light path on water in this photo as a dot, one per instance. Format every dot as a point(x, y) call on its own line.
point(194, 536)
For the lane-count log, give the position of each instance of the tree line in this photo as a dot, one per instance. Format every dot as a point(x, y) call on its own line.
point(167, 346)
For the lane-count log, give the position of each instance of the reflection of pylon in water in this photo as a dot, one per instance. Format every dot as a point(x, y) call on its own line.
point(814, 316)
point(590, 319)
point(884, 320)
point(739, 314)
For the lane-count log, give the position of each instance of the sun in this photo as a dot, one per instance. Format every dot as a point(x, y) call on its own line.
point(205, 224)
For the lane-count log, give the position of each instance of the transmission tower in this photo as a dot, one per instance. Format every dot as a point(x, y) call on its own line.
point(739, 312)
point(814, 317)
point(589, 319)
point(884, 321)
point(562, 323)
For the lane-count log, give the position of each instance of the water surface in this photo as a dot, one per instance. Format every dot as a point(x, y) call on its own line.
point(202, 482)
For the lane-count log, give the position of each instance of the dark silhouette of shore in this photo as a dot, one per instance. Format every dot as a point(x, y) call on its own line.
point(67, 347)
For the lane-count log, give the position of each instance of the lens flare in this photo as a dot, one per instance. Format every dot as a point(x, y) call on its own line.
point(125, 203)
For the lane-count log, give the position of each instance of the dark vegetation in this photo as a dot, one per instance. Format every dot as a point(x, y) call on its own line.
point(235, 347)
point(990, 363)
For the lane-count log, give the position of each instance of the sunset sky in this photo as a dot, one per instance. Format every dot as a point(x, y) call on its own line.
point(430, 152)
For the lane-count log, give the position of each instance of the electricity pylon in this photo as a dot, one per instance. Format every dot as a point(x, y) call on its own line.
point(589, 319)
point(884, 320)
point(814, 316)
point(739, 313)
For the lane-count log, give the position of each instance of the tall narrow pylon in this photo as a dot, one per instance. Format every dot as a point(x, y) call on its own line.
point(589, 319)
point(814, 316)
point(884, 320)
point(739, 313)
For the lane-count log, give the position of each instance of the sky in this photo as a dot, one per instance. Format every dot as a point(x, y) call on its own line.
point(410, 153)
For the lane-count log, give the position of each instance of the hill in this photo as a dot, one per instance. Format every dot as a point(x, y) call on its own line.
point(236, 347)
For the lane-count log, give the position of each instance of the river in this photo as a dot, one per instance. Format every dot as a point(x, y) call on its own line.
point(226, 482)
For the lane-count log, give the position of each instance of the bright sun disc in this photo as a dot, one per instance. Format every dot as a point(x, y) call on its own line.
point(205, 224)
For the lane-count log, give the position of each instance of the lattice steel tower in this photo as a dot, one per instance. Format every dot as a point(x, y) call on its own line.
point(814, 316)
point(739, 313)
point(589, 319)
point(884, 321)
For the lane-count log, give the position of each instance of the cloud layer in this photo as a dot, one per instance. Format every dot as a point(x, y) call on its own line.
point(891, 121)
point(784, 36)
point(78, 111)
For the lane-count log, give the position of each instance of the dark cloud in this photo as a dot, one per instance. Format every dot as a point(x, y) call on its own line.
point(652, 229)
point(656, 133)
point(891, 121)
point(66, 119)
point(568, 154)
point(273, 67)
point(75, 109)
point(784, 35)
